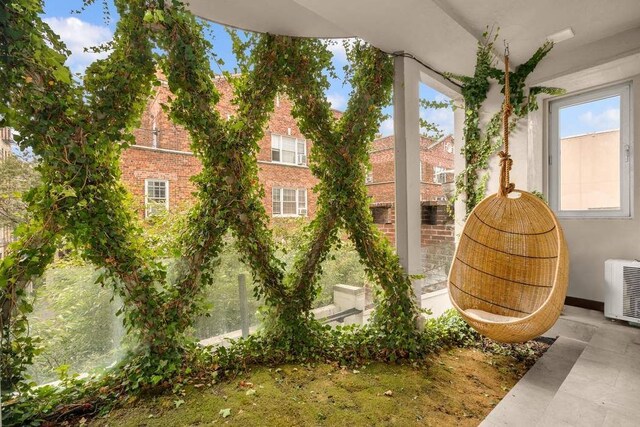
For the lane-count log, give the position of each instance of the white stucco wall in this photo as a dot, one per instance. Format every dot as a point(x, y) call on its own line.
point(592, 241)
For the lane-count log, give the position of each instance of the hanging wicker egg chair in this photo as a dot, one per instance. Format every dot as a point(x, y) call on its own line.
point(509, 276)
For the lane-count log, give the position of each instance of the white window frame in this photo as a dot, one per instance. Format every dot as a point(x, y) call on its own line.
point(439, 174)
point(368, 179)
point(301, 212)
point(448, 146)
point(147, 214)
point(626, 151)
point(300, 158)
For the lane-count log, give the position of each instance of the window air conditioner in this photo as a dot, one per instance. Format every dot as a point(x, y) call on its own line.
point(622, 290)
point(302, 212)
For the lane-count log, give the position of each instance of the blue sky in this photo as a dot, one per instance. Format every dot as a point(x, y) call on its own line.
point(594, 116)
point(89, 28)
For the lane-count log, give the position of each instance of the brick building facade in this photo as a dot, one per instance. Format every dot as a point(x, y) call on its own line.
point(160, 164)
point(437, 228)
point(436, 166)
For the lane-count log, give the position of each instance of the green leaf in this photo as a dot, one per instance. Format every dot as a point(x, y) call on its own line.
point(61, 73)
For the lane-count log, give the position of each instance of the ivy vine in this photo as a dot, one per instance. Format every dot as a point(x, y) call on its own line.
point(481, 141)
point(78, 129)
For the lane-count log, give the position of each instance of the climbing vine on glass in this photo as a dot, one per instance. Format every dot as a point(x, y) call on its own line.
point(78, 129)
point(482, 140)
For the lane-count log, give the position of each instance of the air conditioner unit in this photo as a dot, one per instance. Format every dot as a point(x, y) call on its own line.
point(302, 212)
point(302, 159)
point(622, 290)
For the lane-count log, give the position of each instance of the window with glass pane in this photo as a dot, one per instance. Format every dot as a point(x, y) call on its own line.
point(157, 196)
point(368, 179)
point(302, 202)
point(590, 154)
point(289, 202)
point(439, 174)
point(275, 148)
point(277, 199)
point(302, 152)
point(286, 149)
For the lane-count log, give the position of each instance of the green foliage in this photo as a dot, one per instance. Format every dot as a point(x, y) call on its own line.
point(75, 320)
point(17, 176)
point(429, 129)
point(78, 129)
point(481, 141)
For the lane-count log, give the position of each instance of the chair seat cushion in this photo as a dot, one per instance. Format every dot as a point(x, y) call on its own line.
point(485, 316)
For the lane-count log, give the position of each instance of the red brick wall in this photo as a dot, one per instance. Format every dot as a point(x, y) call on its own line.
point(138, 164)
point(432, 154)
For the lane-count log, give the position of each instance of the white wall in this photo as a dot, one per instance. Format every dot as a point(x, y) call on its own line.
point(592, 241)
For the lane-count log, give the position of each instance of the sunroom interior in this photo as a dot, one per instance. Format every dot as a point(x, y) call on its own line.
point(593, 190)
point(600, 59)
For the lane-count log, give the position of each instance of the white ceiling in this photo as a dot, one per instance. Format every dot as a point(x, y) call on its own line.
point(441, 33)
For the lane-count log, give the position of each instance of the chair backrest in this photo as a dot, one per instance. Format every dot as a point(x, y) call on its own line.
point(507, 258)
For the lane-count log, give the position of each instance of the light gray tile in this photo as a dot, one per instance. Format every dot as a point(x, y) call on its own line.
point(549, 420)
point(624, 402)
point(601, 372)
point(551, 370)
point(633, 350)
point(612, 358)
point(569, 328)
point(609, 338)
point(574, 410)
point(629, 379)
point(566, 348)
point(589, 390)
point(616, 419)
point(524, 403)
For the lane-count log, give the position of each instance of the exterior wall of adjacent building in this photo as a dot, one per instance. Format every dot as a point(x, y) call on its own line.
point(434, 156)
point(590, 165)
point(437, 236)
point(162, 152)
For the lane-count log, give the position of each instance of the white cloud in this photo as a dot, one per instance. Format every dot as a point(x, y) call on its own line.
point(78, 35)
point(336, 47)
point(604, 120)
point(386, 127)
point(337, 100)
point(440, 97)
point(442, 117)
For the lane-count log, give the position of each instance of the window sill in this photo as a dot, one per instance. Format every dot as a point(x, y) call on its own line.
point(271, 162)
point(592, 217)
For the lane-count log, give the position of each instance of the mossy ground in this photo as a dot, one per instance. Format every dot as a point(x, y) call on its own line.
point(457, 387)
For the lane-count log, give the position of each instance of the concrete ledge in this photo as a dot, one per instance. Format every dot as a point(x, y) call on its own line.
point(529, 399)
point(438, 302)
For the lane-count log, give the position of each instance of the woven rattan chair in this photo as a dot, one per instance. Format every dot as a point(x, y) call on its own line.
point(510, 272)
point(509, 276)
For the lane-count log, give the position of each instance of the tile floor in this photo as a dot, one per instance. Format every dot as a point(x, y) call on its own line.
point(589, 377)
